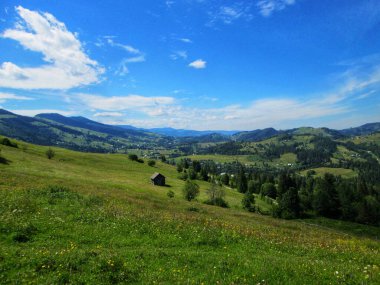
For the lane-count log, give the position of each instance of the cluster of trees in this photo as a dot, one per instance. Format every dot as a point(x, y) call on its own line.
point(8, 142)
point(329, 196)
point(134, 157)
point(293, 195)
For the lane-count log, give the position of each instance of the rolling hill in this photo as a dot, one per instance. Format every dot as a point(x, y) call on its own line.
point(75, 133)
point(95, 218)
point(82, 134)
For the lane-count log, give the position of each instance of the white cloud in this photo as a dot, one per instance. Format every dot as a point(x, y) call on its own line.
point(123, 69)
point(198, 64)
point(169, 3)
point(229, 14)
point(108, 114)
point(185, 40)
point(119, 103)
point(34, 112)
point(67, 65)
point(267, 7)
point(179, 54)
point(127, 48)
point(8, 96)
point(136, 55)
point(366, 95)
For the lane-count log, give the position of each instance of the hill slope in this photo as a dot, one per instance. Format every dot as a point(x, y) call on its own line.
point(95, 218)
point(362, 130)
point(76, 133)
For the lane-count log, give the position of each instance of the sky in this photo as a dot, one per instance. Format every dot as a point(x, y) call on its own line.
point(193, 64)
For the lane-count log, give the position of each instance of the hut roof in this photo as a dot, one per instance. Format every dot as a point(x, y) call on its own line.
point(156, 174)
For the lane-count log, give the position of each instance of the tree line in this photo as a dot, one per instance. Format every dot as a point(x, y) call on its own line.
point(293, 195)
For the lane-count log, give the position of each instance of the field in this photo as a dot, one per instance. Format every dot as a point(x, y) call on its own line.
point(245, 159)
point(96, 219)
point(320, 171)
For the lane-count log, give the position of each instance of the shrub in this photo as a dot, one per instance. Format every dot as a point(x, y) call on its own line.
point(190, 190)
point(50, 153)
point(25, 233)
point(220, 202)
point(140, 160)
point(151, 163)
point(133, 157)
point(170, 194)
point(248, 202)
point(216, 196)
point(183, 176)
point(193, 209)
point(7, 142)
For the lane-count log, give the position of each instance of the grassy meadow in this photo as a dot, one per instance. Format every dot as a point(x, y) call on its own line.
point(84, 218)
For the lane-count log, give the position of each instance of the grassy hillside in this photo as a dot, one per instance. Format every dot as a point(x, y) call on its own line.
point(95, 218)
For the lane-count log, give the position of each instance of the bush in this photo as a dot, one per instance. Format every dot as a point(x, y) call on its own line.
point(170, 194)
point(183, 176)
point(190, 190)
point(218, 202)
point(216, 196)
point(25, 233)
point(193, 209)
point(133, 157)
point(248, 202)
point(50, 153)
point(151, 163)
point(7, 142)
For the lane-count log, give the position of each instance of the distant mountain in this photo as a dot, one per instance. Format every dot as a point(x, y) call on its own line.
point(214, 137)
point(76, 133)
point(325, 132)
point(171, 132)
point(80, 133)
point(362, 130)
point(84, 123)
point(256, 135)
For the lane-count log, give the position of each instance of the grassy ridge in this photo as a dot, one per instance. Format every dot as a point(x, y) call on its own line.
point(107, 224)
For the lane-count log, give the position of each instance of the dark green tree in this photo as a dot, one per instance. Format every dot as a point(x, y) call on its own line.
point(50, 153)
point(325, 200)
point(248, 202)
point(289, 204)
point(241, 181)
point(225, 179)
point(190, 190)
point(268, 189)
point(192, 173)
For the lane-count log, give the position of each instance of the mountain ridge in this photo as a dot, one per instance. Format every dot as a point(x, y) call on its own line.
point(80, 133)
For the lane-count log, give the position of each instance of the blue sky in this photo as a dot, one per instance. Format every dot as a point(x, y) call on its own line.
point(196, 64)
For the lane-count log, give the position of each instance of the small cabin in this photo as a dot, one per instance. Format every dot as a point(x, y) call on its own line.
point(158, 179)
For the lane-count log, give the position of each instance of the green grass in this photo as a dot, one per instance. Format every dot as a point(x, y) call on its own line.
point(106, 223)
point(320, 171)
point(221, 158)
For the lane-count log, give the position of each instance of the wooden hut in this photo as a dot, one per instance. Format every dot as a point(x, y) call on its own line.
point(158, 179)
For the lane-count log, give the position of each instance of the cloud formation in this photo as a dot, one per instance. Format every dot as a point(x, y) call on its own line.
point(31, 113)
point(268, 7)
point(231, 13)
point(179, 54)
point(136, 56)
point(67, 65)
point(198, 64)
point(120, 103)
point(108, 114)
point(8, 96)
